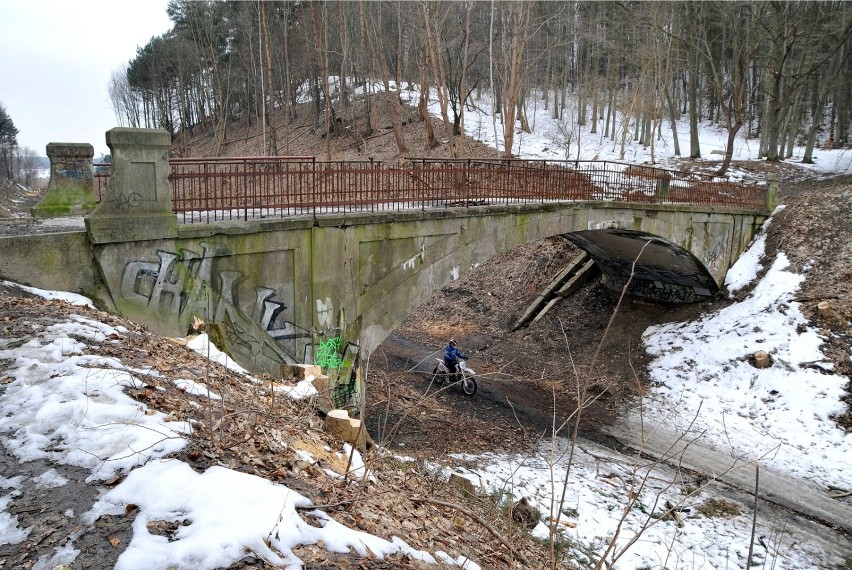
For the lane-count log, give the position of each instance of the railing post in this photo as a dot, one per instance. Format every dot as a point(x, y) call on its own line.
point(314, 190)
point(772, 182)
point(138, 202)
point(465, 182)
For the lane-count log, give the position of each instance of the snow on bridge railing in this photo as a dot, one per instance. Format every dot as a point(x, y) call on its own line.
point(213, 189)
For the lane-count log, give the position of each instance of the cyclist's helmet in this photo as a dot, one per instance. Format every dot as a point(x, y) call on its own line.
point(453, 342)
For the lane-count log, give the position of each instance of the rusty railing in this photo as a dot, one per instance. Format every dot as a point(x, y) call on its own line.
point(212, 189)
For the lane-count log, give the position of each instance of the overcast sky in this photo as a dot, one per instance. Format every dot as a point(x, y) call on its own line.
point(56, 58)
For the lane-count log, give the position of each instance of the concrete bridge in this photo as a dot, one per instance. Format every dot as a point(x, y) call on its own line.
point(322, 287)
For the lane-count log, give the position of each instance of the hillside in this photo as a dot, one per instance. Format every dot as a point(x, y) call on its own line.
point(16, 200)
point(355, 141)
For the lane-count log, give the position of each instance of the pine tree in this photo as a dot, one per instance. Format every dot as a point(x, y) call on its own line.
point(8, 142)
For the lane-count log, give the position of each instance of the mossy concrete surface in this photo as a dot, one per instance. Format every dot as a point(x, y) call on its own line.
point(137, 205)
point(280, 289)
point(65, 200)
point(60, 261)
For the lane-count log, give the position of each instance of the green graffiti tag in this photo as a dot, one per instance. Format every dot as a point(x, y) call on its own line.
point(327, 353)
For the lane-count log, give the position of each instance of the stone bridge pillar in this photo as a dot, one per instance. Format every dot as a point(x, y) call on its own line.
point(71, 190)
point(138, 204)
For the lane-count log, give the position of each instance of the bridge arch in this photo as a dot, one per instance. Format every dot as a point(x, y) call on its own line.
point(685, 253)
point(280, 288)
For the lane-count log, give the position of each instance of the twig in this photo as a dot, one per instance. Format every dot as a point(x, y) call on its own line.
point(820, 298)
point(754, 517)
point(326, 506)
point(478, 519)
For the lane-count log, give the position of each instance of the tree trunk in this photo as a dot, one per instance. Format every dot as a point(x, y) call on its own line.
point(694, 145)
point(394, 107)
point(433, 45)
point(463, 88)
point(513, 58)
point(672, 119)
point(422, 103)
point(321, 47)
point(272, 148)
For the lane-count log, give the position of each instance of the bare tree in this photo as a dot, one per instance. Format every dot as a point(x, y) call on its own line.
point(432, 21)
point(730, 78)
point(513, 45)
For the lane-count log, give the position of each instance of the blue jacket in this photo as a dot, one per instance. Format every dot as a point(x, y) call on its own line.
point(452, 354)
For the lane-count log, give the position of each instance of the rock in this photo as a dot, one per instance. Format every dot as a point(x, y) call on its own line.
point(463, 483)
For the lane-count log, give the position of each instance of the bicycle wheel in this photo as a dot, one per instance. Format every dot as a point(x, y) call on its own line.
point(468, 385)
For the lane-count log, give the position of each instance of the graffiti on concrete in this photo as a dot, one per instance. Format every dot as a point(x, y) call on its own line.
point(327, 353)
point(340, 368)
point(325, 313)
point(716, 257)
point(657, 290)
point(76, 168)
point(345, 391)
point(182, 284)
point(127, 200)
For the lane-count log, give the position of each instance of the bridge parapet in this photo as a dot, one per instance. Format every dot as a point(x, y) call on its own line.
point(214, 189)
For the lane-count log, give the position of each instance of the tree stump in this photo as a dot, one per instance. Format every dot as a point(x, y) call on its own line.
point(824, 310)
point(761, 359)
point(299, 371)
point(323, 401)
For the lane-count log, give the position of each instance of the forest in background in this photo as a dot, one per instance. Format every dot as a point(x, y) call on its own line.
point(17, 163)
point(781, 71)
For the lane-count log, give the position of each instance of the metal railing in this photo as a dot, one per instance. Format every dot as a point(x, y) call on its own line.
point(212, 189)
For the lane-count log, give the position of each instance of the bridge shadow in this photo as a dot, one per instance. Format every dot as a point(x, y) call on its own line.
point(650, 266)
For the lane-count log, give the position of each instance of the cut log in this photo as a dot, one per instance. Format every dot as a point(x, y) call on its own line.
point(346, 429)
point(323, 401)
point(761, 359)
